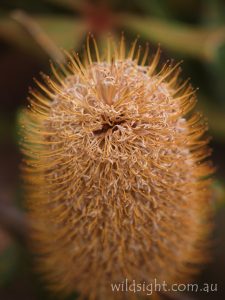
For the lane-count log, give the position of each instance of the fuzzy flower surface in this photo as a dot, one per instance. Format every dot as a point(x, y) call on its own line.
point(116, 173)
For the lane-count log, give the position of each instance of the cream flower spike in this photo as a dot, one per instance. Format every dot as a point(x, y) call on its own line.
point(116, 173)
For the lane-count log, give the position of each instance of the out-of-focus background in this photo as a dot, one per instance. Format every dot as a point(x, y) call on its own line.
point(32, 32)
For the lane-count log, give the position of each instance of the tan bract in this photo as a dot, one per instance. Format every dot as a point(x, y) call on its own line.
point(116, 174)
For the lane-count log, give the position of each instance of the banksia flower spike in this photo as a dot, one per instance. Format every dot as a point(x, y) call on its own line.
point(117, 173)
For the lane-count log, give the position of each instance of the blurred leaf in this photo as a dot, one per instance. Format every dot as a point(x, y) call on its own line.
point(219, 193)
point(158, 8)
point(201, 43)
point(185, 10)
point(213, 12)
point(71, 4)
point(215, 117)
point(216, 75)
point(65, 32)
point(9, 260)
point(12, 33)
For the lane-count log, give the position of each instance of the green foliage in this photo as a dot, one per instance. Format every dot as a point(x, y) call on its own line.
point(9, 261)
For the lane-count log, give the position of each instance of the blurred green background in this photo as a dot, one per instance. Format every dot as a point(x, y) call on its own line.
point(32, 32)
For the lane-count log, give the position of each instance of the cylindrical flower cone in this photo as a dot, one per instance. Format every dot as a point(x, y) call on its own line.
point(116, 173)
